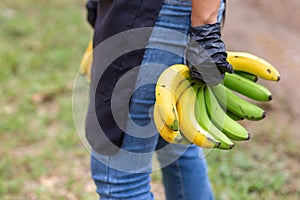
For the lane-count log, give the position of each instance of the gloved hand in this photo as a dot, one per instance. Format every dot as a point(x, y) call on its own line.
point(91, 7)
point(206, 54)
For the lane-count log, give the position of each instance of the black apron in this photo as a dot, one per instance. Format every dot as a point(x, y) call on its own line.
point(114, 17)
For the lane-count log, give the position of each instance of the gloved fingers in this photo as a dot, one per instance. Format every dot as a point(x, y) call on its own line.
point(207, 75)
point(220, 59)
point(92, 6)
point(226, 67)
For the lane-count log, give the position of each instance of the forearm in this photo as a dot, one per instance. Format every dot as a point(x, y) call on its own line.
point(204, 12)
point(206, 53)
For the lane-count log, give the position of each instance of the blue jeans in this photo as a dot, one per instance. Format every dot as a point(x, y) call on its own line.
point(126, 174)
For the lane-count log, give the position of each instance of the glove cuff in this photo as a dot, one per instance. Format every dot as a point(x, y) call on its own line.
point(91, 4)
point(205, 31)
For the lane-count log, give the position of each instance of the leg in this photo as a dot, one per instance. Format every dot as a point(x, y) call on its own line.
point(186, 177)
point(126, 174)
point(113, 184)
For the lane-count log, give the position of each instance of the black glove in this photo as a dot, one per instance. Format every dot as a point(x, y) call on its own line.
point(206, 54)
point(91, 7)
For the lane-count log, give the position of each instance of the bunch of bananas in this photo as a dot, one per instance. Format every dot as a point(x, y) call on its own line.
point(187, 112)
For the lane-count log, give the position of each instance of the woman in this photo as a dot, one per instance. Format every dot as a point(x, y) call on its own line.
point(138, 40)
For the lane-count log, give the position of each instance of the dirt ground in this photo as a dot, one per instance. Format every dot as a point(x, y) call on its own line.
point(269, 29)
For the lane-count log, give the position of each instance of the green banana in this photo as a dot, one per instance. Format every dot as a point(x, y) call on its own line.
point(236, 104)
point(246, 87)
point(233, 116)
point(247, 75)
point(204, 121)
point(218, 116)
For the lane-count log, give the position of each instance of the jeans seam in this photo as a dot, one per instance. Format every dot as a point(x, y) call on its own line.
point(179, 176)
point(108, 175)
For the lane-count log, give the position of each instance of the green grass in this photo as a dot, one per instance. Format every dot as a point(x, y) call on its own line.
point(41, 46)
point(266, 167)
point(41, 155)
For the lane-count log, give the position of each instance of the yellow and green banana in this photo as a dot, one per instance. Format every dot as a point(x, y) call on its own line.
point(187, 112)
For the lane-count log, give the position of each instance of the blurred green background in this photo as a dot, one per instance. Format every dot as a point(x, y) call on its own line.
point(41, 155)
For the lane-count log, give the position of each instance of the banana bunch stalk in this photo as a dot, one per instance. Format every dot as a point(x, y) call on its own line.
point(187, 112)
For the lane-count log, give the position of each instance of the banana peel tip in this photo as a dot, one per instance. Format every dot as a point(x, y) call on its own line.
point(270, 97)
point(248, 138)
point(263, 115)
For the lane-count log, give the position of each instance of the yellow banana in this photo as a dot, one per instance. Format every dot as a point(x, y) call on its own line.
point(165, 93)
point(166, 133)
point(188, 122)
point(183, 85)
point(250, 63)
point(86, 61)
point(166, 106)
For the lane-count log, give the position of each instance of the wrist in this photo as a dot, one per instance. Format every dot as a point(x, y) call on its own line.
point(203, 32)
point(204, 12)
point(201, 20)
